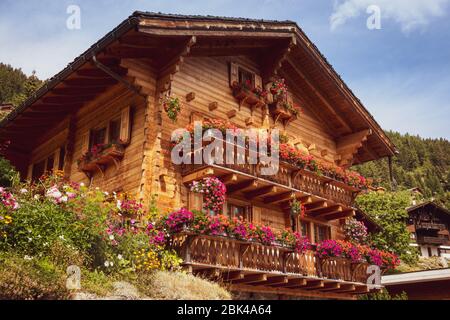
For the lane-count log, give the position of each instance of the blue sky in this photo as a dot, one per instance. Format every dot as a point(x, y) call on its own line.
point(401, 72)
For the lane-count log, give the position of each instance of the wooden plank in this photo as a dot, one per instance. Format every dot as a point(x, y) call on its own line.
point(321, 204)
point(331, 286)
point(272, 281)
point(340, 215)
point(326, 211)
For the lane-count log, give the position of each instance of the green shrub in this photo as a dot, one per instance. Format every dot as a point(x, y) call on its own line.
point(26, 278)
point(384, 295)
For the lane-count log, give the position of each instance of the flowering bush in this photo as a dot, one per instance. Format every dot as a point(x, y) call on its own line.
point(266, 235)
point(178, 220)
point(355, 231)
point(128, 207)
point(213, 191)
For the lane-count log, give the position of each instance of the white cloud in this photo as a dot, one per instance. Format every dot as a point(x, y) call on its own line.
point(410, 14)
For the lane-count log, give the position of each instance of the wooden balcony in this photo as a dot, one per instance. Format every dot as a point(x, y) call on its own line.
point(256, 267)
point(430, 226)
point(438, 240)
point(323, 197)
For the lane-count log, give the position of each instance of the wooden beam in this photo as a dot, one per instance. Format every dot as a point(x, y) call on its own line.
point(319, 94)
point(198, 175)
point(260, 192)
point(73, 91)
point(273, 62)
point(326, 211)
point(97, 73)
point(345, 287)
point(316, 205)
point(65, 99)
point(340, 215)
point(208, 272)
point(232, 275)
point(252, 278)
point(242, 186)
point(331, 286)
point(272, 281)
point(313, 284)
point(229, 178)
point(294, 283)
point(287, 196)
point(86, 83)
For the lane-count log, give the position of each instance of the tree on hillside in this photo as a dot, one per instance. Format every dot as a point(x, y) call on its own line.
point(15, 86)
point(388, 209)
point(423, 163)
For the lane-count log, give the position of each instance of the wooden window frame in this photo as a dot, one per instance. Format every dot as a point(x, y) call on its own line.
point(248, 208)
point(56, 155)
point(316, 232)
point(234, 76)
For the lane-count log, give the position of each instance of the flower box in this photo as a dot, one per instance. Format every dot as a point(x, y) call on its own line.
point(110, 154)
point(279, 110)
point(248, 96)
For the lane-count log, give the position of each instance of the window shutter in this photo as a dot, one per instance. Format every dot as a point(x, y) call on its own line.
point(258, 81)
point(195, 201)
point(125, 127)
point(56, 159)
point(256, 215)
point(85, 142)
point(30, 173)
point(234, 73)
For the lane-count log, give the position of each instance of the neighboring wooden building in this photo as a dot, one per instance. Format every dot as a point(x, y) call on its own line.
point(420, 285)
point(114, 91)
point(429, 225)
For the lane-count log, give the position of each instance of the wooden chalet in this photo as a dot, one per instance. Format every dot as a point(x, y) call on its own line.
point(114, 92)
point(429, 226)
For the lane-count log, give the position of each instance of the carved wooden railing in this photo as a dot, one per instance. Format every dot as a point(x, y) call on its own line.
point(290, 176)
point(233, 254)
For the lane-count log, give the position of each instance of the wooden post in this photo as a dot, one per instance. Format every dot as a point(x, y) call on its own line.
point(187, 249)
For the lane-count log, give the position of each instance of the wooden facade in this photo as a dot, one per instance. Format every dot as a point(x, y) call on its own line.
point(114, 92)
point(429, 225)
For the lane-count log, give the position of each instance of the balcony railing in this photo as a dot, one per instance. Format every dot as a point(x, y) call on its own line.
point(430, 226)
point(248, 263)
point(433, 240)
point(294, 178)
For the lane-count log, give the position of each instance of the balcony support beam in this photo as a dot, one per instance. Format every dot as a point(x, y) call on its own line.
point(279, 198)
point(260, 192)
point(314, 284)
point(316, 206)
point(232, 275)
point(273, 281)
point(331, 286)
point(294, 283)
point(341, 215)
point(251, 278)
point(242, 186)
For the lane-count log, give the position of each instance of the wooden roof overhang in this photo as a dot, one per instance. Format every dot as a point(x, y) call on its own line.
point(280, 47)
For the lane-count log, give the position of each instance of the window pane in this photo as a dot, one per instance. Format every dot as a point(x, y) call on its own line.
point(245, 77)
point(97, 137)
point(62, 156)
point(38, 170)
point(50, 162)
point(114, 131)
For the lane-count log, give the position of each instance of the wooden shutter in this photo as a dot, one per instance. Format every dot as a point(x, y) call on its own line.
point(125, 127)
point(30, 173)
point(258, 81)
point(85, 142)
point(195, 201)
point(56, 159)
point(256, 215)
point(234, 73)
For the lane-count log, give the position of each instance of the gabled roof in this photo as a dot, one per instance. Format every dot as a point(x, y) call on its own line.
point(279, 46)
point(431, 204)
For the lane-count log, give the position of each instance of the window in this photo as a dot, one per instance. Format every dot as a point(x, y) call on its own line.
point(114, 131)
point(38, 170)
point(321, 233)
point(98, 136)
point(62, 158)
point(50, 163)
point(245, 77)
point(236, 211)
